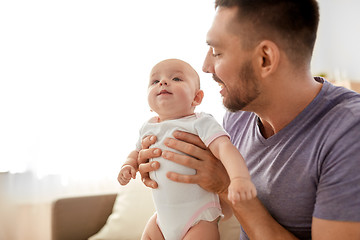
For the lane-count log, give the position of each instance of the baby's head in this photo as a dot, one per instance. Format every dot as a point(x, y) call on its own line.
point(174, 89)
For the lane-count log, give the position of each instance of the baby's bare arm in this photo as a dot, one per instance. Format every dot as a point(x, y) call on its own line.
point(132, 159)
point(241, 187)
point(230, 156)
point(129, 168)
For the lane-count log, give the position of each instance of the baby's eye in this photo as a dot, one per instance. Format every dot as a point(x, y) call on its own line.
point(176, 79)
point(155, 82)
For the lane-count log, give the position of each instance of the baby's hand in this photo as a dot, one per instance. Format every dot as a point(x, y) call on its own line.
point(126, 173)
point(241, 189)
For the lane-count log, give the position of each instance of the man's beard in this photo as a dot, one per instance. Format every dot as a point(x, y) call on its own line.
point(246, 90)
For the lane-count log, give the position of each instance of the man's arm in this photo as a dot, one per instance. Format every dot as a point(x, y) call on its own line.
point(326, 229)
point(256, 220)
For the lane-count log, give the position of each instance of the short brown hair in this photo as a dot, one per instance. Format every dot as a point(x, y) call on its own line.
point(291, 24)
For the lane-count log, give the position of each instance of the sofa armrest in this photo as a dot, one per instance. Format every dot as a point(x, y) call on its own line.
point(78, 218)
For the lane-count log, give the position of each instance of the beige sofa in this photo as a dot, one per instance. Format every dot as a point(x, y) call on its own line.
point(79, 218)
point(120, 216)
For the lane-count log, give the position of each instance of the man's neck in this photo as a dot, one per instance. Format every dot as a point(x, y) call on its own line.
point(286, 104)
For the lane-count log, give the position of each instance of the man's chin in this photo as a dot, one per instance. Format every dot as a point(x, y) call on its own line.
point(231, 107)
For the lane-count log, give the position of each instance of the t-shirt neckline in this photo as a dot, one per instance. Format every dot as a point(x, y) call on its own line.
point(299, 119)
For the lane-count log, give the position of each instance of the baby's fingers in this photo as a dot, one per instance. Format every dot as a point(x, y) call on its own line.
point(234, 197)
point(123, 180)
point(127, 175)
point(253, 192)
point(244, 195)
point(248, 194)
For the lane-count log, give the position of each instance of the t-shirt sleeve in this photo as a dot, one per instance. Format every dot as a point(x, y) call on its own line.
point(208, 129)
point(338, 193)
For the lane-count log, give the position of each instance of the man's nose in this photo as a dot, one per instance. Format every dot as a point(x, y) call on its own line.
point(208, 66)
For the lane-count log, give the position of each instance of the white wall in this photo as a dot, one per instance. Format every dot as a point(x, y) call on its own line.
point(338, 45)
point(74, 77)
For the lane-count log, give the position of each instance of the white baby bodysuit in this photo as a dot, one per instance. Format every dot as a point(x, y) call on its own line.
point(180, 206)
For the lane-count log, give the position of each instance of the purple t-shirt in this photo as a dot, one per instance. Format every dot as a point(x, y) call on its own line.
point(311, 168)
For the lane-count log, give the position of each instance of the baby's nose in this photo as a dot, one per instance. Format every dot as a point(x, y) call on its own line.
point(163, 82)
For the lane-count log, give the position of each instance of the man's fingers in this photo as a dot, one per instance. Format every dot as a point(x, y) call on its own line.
point(184, 160)
point(189, 138)
point(144, 170)
point(176, 177)
point(185, 147)
point(150, 183)
point(148, 141)
point(143, 160)
point(146, 154)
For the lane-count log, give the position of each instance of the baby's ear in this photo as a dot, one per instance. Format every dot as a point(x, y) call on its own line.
point(198, 98)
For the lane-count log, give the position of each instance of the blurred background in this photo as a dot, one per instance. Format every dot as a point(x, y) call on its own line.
point(73, 84)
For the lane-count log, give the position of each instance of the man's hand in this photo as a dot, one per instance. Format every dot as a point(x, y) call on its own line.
point(143, 160)
point(210, 173)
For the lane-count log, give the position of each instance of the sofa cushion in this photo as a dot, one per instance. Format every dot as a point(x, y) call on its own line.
point(132, 209)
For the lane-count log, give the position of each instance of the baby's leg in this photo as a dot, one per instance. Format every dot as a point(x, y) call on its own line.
point(203, 230)
point(152, 230)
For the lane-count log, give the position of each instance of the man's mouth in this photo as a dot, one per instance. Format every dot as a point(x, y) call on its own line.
point(218, 80)
point(164, 92)
point(221, 85)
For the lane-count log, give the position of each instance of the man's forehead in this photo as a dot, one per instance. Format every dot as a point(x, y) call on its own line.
point(223, 24)
point(222, 19)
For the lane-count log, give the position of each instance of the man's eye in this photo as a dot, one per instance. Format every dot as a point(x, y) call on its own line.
point(214, 53)
point(176, 79)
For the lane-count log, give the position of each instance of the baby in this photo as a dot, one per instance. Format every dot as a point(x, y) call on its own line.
point(185, 211)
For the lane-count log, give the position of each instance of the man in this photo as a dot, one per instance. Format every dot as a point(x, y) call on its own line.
point(299, 135)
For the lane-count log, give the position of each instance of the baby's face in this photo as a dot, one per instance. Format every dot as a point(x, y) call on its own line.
point(172, 88)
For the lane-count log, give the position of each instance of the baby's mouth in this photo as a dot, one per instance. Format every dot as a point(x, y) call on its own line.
point(163, 92)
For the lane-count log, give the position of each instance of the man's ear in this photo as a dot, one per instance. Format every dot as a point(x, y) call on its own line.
point(198, 98)
point(268, 57)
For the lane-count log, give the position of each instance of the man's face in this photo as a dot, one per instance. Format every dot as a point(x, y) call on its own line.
point(230, 64)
